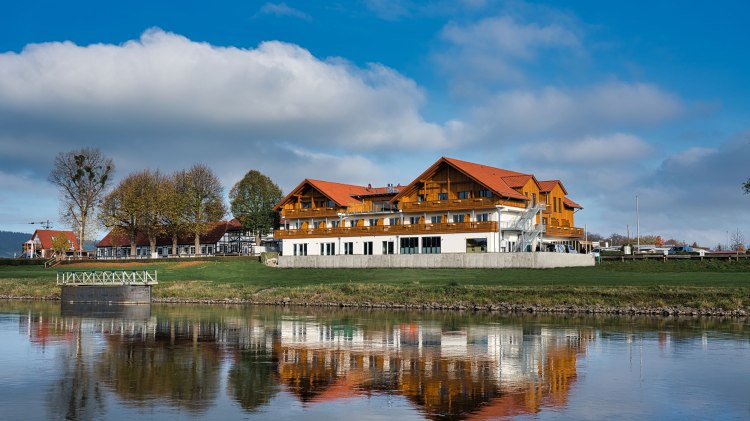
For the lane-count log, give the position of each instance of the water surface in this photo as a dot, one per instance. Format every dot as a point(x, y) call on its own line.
point(242, 362)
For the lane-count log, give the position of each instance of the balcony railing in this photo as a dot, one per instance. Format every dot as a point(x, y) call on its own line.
point(415, 229)
point(309, 213)
point(558, 231)
point(457, 204)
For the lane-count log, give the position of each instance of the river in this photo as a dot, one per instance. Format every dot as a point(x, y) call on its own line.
point(184, 362)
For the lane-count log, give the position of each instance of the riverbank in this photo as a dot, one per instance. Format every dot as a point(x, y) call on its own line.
point(674, 288)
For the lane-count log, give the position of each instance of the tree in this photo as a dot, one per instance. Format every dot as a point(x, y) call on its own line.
point(60, 244)
point(175, 207)
point(746, 186)
point(82, 177)
point(137, 204)
point(203, 193)
point(737, 241)
point(121, 210)
point(252, 200)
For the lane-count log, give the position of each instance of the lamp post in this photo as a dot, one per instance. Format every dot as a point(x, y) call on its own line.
point(637, 225)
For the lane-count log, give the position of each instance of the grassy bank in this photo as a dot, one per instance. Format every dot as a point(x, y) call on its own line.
point(687, 285)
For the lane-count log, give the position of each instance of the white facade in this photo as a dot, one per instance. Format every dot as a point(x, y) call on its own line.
point(421, 242)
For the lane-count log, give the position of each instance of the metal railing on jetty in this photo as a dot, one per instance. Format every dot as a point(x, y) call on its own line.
point(107, 277)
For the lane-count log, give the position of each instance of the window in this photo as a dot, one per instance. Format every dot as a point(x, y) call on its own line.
point(387, 247)
point(533, 200)
point(354, 222)
point(306, 205)
point(335, 224)
point(420, 198)
point(373, 222)
point(485, 193)
point(413, 220)
point(431, 245)
point(476, 245)
point(463, 195)
point(436, 219)
point(327, 249)
point(410, 245)
point(393, 221)
point(458, 218)
point(300, 249)
point(329, 204)
point(442, 196)
point(368, 247)
point(349, 248)
point(483, 217)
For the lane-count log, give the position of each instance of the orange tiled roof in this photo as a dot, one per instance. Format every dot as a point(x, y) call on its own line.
point(45, 237)
point(491, 177)
point(571, 204)
point(342, 194)
point(548, 185)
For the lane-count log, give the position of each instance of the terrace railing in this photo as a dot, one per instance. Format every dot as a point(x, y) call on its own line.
point(107, 277)
point(414, 229)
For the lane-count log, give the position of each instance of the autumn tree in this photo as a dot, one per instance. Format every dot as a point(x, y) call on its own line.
point(203, 193)
point(121, 209)
point(174, 191)
point(252, 200)
point(60, 244)
point(82, 177)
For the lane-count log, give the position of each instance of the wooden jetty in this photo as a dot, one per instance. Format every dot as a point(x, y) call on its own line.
point(107, 286)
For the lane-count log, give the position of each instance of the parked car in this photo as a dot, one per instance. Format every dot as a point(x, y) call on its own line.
point(681, 249)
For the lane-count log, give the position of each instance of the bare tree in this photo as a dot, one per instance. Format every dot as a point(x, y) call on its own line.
point(204, 204)
point(737, 241)
point(746, 186)
point(82, 177)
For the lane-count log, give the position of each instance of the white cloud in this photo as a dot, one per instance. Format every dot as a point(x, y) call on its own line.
point(282, 9)
point(560, 112)
point(504, 36)
point(498, 49)
point(167, 83)
point(593, 151)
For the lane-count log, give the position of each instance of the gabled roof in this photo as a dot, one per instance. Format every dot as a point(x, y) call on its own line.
point(214, 234)
point(571, 204)
point(548, 185)
point(45, 237)
point(340, 193)
point(490, 177)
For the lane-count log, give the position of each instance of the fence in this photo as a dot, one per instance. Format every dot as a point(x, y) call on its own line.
point(110, 277)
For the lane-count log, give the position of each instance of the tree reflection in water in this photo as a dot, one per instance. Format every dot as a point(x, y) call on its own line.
point(76, 394)
point(252, 380)
point(177, 364)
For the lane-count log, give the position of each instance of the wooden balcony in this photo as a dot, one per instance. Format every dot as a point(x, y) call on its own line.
point(309, 213)
point(416, 229)
point(558, 231)
point(457, 204)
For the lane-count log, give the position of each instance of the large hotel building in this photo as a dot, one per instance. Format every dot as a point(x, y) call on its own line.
point(453, 207)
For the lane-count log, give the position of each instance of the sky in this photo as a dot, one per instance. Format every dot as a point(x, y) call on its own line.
point(617, 99)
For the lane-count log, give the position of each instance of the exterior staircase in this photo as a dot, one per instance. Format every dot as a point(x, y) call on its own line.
point(529, 230)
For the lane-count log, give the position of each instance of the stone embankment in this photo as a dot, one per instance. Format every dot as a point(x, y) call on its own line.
point(501, 308)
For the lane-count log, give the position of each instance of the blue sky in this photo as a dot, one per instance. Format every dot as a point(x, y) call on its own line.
point(617, 99)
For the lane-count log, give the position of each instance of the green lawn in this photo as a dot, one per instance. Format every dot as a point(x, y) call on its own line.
point(643, 283)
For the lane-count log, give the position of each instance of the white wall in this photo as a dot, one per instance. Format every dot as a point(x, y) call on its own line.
point(539, 260)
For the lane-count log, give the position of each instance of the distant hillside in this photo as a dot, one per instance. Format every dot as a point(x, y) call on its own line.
point(10, 242)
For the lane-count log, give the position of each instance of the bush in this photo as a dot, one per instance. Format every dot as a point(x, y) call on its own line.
point(22, 262)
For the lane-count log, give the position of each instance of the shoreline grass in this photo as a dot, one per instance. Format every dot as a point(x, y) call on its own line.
point(685, 287)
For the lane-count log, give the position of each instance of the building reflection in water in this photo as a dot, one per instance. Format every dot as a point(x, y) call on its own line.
point(463, 371)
